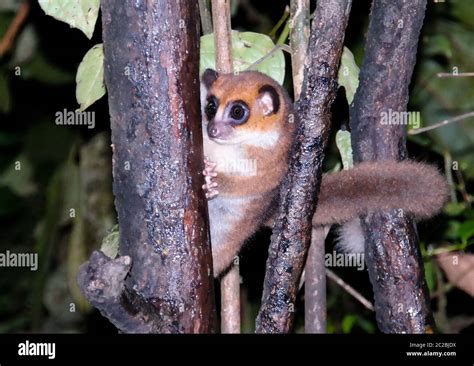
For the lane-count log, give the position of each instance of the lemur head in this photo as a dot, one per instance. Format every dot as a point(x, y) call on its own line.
point(244, 107)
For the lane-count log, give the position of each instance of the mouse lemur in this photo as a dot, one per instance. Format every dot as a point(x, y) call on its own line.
point(248, 137)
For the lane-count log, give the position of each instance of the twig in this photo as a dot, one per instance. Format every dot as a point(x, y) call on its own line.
point(282, 20)
point(315, 313)
point(345, 286)
point(206, 20)
point(348, 288)
point(284, 34)
point(278, 47)
point(449, 175)
point(230, 301)
point(445, 122)
point(451, 75)
point(462, 186)
point(14, 28)
point(222, 35)
point(299, 35)
point(230, 282)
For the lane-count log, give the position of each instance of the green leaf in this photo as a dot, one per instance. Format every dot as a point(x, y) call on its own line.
point(464, 11)
point(80, 14)
point(454, 208)
point(452, 232)
point(110, 243)
point(348, 75)
point(343, 142)
point(40, 69)
point(247, 47)
point(366, 325)
point(430, 275)
point(90, 77)
point(348, 323)
point(466, 230)
point(19, 176)
point(438, 44)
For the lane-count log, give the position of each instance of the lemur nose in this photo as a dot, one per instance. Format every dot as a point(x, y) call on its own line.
point(213, 132)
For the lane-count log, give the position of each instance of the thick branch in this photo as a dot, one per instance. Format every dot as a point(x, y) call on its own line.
point(392, 254)
point(151, 71)
point(292, 229)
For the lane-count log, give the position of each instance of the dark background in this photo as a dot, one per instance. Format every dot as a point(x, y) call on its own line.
point(66, 167)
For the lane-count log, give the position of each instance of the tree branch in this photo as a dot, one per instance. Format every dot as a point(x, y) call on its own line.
point(292, 228)
point(230, 281)
point(152, 77)
point(206, 20)
point(14, 27)
point(299, 35)
point(392, 254)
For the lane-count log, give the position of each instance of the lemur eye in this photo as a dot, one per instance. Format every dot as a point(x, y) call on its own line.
point(211, 108)
point(239, 112)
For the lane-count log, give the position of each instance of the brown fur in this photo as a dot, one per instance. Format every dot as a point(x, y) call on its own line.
point(245, 203)
point(258, 192)
point(380, 186)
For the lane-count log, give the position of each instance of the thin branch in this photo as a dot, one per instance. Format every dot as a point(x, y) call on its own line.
point(315, 284)
point(278, 47)
point(448, 161)
point(222, 35)
point(462, 186)
point(445, 122)
point(451, 75)
point(282, 20)
point(299, 35)
point(206, 20)
point(349, 289)
point(230, 282)
point(14, 28)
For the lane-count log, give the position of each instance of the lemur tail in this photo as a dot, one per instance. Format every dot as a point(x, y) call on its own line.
point(380, 186)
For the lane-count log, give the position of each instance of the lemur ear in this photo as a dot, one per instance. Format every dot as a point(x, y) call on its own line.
point(269, 100)
point(208, 77)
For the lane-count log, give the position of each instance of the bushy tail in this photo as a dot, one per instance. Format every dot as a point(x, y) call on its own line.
point(380, 186)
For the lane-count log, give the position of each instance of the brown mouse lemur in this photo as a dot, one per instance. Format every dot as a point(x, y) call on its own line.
point(247, 142)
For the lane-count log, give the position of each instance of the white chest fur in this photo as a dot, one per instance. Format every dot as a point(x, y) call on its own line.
point(230, 159)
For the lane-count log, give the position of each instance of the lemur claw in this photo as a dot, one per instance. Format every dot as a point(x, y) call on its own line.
point(209, 173)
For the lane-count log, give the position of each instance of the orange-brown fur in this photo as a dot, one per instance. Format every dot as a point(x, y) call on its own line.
point(246, 202)
point(258, 192)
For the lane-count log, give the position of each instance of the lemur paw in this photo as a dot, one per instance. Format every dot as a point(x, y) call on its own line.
point(209, 173)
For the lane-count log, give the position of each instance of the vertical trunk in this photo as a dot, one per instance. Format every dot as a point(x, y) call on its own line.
point(392, 254)
point(151, 72)
point(292, 229)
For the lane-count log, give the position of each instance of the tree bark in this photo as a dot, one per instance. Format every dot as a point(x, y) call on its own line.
point(292, 228)
point(230, 281)
point(315, 313)
point(392, 254)
point(151, 73)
